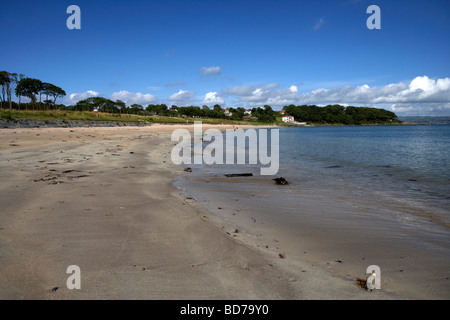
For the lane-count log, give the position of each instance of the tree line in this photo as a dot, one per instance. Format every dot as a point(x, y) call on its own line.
point(21, 86)
point(337, 114)
point(100, 104)
point(31, 88)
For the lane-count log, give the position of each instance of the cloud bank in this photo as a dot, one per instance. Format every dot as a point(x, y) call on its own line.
point(73, 98)
point(212, 98)
point(128, 97)
point(422, 95)
point(182, 97)
point(133, 98)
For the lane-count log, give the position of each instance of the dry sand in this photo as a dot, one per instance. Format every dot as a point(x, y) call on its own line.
point(102, 199)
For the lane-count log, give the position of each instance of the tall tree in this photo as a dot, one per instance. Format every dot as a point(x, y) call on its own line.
point(4, 82)
point(29, 87)
point(55, 92)
point(46, 90)
point(12, 85)
point(19, 77)
point(8, 81)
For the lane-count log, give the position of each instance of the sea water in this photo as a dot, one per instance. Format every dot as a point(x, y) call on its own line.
point(408, 164)
point(360, 192)
point(399, 164)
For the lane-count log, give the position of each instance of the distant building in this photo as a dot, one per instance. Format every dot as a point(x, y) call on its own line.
point(282, 112)
point(247, 112)
point(227, 112)
point(287, 118)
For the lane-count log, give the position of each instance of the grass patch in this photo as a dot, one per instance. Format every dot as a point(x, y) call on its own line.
point(100, 116)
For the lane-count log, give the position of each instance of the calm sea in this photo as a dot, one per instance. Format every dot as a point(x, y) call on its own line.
point(403, 170)
point(363, 193)
point(408, 164)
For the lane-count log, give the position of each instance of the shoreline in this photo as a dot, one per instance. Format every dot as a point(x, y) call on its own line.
point(324, 216)
point(25, 123)
point(334, 236)
point(68, 199)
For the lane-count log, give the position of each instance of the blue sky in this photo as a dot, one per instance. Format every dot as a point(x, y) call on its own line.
point(236, 53)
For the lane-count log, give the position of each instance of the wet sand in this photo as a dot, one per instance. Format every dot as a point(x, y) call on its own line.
point(103, 199)
point(313, 226)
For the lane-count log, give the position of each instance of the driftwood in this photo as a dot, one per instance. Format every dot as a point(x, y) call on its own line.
point(239, 175)
point(280, 181)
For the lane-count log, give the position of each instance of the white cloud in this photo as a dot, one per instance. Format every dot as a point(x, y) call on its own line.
point(293, 89)
point(270, 95)
point(182, 97)
point(421, 95)
point(211, 70)
point(424, 88)
point(212, 98)
point(131, 98)
point(73, 98)
point(419, 90)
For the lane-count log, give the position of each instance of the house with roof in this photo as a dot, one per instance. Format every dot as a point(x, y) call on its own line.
point(287, 118)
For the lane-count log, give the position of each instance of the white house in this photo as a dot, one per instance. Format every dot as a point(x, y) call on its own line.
point(287, 118)
point(247, 112)
point(227, 112)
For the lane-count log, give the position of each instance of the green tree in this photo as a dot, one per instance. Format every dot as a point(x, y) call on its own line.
point(8, 82)
point(102, 104)
point(18, 79)
point(136, 108)
point(4, 82)
point(337, 114)
point(333, 113)
point(29, 87)
point(56, 92)
point(51, 90)
point(159, 109)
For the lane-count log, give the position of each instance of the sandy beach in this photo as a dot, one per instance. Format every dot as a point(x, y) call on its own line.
point(103, 199)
